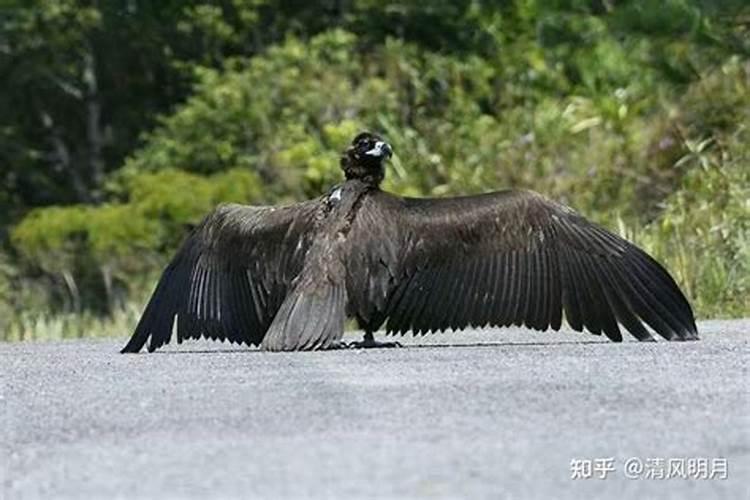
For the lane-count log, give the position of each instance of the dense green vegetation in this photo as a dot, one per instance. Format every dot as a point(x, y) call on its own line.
point(126, 122)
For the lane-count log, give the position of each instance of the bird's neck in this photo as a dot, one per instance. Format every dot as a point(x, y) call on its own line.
point(360, 186)
point(367, 174)
point(371, 181)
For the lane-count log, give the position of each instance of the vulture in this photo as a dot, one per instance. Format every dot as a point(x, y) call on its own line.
point(286, 278)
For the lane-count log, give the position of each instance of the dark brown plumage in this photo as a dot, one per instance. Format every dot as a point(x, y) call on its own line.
point(285, 278)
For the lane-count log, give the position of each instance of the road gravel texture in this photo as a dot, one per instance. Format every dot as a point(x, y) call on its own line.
point(477, 414)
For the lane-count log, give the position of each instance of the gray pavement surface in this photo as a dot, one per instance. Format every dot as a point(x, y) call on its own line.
point(476, 414)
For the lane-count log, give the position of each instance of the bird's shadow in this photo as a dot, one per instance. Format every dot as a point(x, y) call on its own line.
point(255, 350)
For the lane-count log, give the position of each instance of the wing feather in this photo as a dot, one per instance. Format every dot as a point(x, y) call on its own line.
point(228, 279)
point(454, 306)
point(514, 257)
point(555, 291)
point(475, 309)
point(591, 317)
point(489, 289)
point(602, 306)
point(450, 276)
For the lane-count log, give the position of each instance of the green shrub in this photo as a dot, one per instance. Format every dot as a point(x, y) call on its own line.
point(637, 118)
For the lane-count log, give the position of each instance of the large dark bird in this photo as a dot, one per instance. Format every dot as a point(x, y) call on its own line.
point(285, 278)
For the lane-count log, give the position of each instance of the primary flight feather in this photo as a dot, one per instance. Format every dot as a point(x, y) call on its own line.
point(286, 278)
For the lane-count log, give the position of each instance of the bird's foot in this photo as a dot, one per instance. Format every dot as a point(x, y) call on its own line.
point(339, 345)
point(372, 343)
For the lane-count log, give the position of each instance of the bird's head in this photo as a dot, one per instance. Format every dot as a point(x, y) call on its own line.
point(365, 158)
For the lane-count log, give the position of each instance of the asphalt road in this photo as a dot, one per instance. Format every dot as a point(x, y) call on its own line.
point(501, 415)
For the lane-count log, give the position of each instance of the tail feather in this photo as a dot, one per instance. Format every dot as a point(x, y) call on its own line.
point(310, 318)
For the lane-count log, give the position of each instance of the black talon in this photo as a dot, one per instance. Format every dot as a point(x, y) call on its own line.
point(369, 342)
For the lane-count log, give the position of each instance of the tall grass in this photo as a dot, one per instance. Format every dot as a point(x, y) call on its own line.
point(60, 326)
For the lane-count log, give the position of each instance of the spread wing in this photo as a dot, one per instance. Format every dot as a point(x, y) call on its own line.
point(511, 257)
point(230, 276)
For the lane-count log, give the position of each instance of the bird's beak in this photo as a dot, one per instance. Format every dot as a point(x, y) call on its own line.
point(380, 150)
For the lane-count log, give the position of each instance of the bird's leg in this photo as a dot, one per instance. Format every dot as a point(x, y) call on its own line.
point(369, 342)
